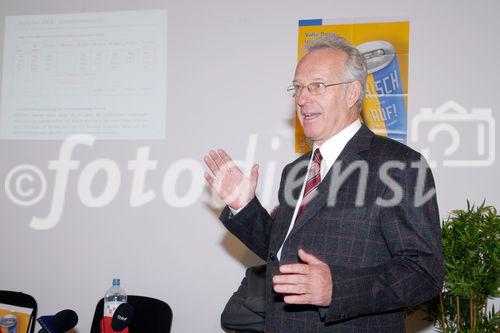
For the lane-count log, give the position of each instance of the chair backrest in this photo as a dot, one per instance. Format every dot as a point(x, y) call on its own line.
point(22, 300)
point(150, 315)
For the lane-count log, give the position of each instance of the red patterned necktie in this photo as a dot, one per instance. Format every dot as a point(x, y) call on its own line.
point(313, 180)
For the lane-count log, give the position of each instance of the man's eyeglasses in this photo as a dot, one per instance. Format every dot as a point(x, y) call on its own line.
point(315, 88)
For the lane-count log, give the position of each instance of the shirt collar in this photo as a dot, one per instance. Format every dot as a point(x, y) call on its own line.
point(331, 148)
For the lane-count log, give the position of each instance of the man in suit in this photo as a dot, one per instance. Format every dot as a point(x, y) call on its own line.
point(356, 236)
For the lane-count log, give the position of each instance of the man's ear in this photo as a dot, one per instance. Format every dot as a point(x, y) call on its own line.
point(353, 93)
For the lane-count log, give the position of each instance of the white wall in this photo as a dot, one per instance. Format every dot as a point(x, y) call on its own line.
point(228, 65)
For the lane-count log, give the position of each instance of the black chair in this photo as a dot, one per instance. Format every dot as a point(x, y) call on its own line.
point(22, 300)
point(150, 315)
point(246, 310)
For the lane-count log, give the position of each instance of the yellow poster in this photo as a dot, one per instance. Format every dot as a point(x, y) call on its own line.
point(22, 316)
point(385, 48)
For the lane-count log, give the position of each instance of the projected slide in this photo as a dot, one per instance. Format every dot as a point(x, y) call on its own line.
point(96, 73)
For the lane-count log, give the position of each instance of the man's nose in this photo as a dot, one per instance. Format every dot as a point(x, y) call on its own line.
point(303, 96)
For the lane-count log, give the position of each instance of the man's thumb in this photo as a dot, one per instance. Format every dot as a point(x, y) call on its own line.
point(308, 258)
point(254, 173)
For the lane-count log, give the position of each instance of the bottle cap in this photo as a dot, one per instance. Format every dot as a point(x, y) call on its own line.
point(116, 282)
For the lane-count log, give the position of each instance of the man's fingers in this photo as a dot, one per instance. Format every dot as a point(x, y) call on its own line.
point(211, 165)
point(294, 269)
point(289, 279)
point(296, 299)
point(308, 258)
point(215, 163)
point(296, 289)
point(209, 179)
point(225, 157)
point(217, 159)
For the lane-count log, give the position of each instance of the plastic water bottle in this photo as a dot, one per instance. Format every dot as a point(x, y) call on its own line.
point(114, 297)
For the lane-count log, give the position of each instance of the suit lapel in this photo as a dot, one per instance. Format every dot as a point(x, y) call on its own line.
point(287, 216)
point(361, 141)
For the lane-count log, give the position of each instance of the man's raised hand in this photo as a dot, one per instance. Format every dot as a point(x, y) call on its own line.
point(228, 181)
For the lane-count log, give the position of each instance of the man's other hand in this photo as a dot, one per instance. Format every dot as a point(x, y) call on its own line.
point(307, 283)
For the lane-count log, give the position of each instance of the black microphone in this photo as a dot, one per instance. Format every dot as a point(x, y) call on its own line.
point(61, 322)
point(122, 317)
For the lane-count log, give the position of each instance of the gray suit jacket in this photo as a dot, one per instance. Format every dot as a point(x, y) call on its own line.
point(382, 258)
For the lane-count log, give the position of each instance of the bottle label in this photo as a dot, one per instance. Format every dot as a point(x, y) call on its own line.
point(110, 307)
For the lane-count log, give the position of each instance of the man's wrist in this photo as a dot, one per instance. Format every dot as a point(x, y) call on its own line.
point(235, 211)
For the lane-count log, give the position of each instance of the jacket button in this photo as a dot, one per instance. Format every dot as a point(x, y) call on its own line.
point(272, 256)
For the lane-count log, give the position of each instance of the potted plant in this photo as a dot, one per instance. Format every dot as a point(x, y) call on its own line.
point(471, 249)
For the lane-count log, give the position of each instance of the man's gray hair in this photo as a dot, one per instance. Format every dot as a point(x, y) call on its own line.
point(355, 69)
